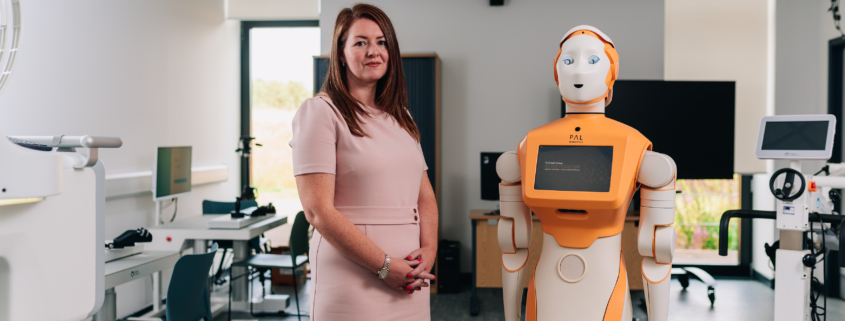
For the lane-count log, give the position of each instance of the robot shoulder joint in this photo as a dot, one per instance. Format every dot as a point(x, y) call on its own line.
point(656, 170)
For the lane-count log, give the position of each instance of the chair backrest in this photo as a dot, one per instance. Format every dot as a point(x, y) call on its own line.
point(212, 207)
point(299, 235)
point(187, 295)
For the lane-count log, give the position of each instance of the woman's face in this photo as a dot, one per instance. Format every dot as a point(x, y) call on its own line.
point(365, 52)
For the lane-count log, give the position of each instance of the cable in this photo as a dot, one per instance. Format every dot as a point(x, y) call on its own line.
point(175, 209)
point(816, 312)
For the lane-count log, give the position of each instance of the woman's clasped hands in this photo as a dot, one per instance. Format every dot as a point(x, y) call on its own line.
point(409, 274)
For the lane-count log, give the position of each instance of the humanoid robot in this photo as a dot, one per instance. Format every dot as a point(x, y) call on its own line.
point(578, 175)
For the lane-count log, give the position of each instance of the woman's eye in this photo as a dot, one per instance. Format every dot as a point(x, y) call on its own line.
point(568, 60)
point(382, 43)
point(359, 43)
point(593, 59)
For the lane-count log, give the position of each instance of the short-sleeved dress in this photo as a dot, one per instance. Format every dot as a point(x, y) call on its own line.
point(377, 185)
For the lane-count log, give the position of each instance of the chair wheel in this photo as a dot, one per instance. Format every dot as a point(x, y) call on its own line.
point(711, 293)
point(684, 279)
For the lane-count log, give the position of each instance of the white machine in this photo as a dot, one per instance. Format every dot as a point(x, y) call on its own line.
point(803, 204)
point(51, 214)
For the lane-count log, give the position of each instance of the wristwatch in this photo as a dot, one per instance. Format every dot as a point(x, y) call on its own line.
point(385, 270)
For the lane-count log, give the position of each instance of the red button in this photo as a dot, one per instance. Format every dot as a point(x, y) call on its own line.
point(168, 239)
point(812, 187)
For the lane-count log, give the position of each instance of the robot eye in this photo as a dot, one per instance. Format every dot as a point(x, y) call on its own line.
point(568, 60)
point(593, 59)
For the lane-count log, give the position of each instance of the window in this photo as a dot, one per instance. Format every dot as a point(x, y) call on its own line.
point(277, 76)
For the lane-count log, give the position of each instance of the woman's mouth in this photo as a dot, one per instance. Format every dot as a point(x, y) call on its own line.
point(373, 64)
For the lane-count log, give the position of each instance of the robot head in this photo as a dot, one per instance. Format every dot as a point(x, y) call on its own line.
point(586, 66)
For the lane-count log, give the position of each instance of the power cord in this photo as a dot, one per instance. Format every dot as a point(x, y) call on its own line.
point(172, 202)
point(175, 209)
point(817, 312)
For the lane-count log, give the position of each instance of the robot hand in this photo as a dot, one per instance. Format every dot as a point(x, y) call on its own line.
point(656, 236)
point(514, 234)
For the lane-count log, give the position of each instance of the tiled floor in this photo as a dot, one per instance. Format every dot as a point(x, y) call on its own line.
point(745, 300)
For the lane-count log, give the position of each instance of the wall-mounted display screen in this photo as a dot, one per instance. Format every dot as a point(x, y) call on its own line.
point(795, 135)
point(574, 168)
point(688, 118)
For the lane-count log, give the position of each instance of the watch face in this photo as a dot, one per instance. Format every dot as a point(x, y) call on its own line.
point(383, 274)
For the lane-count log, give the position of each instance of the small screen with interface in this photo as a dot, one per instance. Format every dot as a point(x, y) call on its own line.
point(795, 135)
point(574, 168)
point(173, 171)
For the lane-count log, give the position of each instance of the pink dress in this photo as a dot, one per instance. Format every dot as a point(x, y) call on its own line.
point(377, 184)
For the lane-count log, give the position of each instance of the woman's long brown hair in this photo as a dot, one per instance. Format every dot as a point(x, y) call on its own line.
point(391, 92)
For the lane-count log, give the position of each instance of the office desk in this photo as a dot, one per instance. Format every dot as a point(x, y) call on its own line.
point(172, 237)
point(128, 269)
point(487, 256)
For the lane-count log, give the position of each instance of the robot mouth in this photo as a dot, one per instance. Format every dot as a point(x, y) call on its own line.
point(579, 85)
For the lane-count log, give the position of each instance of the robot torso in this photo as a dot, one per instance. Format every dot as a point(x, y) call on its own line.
point(579, 174)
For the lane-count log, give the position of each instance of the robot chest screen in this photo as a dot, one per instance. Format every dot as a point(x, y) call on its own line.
point(574, 168)
point(596, 170)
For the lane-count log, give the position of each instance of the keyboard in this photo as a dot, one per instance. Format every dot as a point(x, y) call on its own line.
point(30, 145)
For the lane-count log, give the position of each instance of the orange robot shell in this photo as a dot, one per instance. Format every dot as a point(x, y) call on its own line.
point(605, 210)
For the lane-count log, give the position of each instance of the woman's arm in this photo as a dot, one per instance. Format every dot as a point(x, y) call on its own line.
point(427, 206)
point(316, 191)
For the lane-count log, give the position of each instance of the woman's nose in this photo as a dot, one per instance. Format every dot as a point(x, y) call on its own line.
point(371, 51)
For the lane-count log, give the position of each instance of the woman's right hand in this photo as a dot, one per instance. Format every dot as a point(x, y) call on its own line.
point(398, 277)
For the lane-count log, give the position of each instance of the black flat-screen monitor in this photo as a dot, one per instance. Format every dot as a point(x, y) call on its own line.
point(489, 178)
point(691, 121)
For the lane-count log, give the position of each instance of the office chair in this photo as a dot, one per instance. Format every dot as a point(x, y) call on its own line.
point(213, 207)
point(188, 297)
point(298, 256)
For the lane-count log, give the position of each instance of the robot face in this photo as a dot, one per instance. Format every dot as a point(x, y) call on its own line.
point(582, 69)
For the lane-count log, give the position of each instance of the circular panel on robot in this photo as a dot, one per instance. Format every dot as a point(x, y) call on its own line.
point(572, 267)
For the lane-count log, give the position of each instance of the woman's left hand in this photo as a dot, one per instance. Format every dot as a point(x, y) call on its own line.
point(425, 257)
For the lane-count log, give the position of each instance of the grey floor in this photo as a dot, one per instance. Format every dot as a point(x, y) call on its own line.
point(746, 300)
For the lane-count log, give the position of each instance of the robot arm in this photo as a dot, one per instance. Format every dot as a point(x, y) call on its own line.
point(656, 236)
point(514, 233)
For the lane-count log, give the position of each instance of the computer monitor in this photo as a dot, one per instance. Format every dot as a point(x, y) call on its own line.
point(796, 137)
point(489, 178)
point(171, 172)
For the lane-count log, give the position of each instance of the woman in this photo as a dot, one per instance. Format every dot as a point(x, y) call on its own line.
point(362, 181)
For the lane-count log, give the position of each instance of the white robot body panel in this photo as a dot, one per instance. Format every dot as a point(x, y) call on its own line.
point(27, 173)
point(576, 284)
point(73, 270)
point(792, 284)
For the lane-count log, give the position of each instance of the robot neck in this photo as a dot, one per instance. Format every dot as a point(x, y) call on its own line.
point(592, 108)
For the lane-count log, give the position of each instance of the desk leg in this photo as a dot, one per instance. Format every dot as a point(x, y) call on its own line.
point(109, 310)
point(156, 291)
point(239, 286)
point(473, 300)
point(201, 247)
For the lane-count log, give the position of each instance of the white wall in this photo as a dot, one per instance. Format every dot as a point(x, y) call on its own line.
point(803, 32)
point(724, 40)
point(154, 72)
point(497, 77)
point(272, 9)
